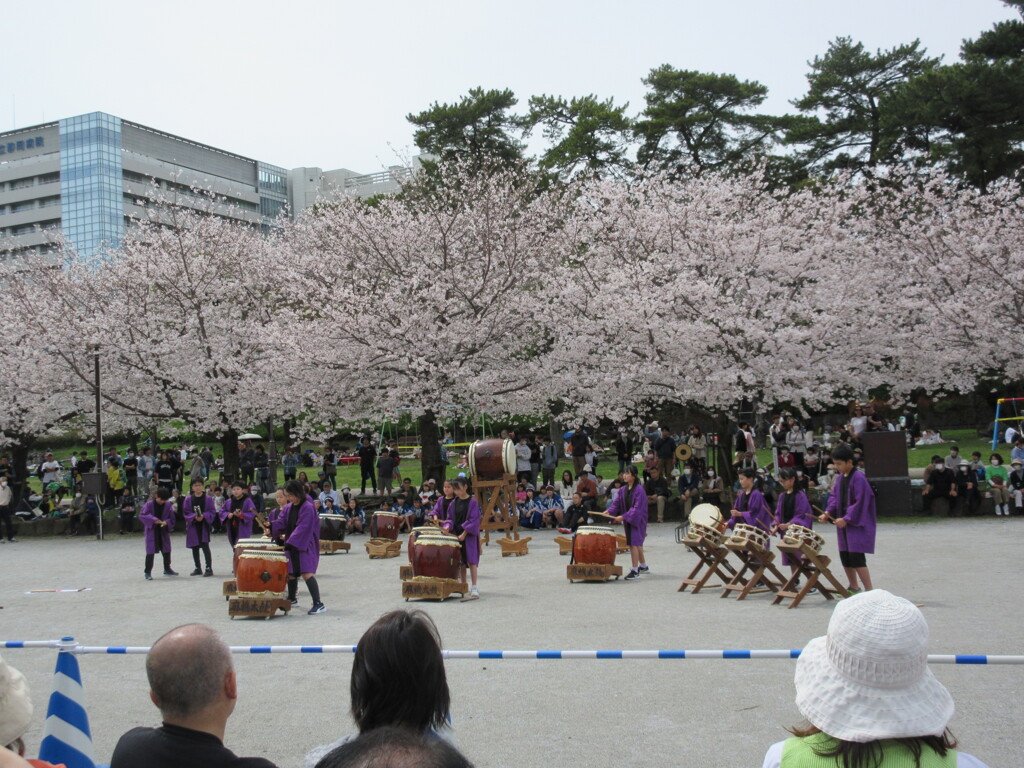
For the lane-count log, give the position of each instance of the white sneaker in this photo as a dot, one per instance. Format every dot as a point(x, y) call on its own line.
point(474, 591)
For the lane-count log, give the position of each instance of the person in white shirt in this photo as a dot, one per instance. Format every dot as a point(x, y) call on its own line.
point(51, 470)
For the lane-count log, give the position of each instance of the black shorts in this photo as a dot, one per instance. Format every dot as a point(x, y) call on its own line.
point(629, 534)
point(853, 559)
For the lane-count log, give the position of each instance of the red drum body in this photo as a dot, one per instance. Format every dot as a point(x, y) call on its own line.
point(437, 556)
point(420, 530)
point(385, 525)
point(492, 459)
point(332, 527)
point(260, 572)
point(253, 545)
point(594, 545)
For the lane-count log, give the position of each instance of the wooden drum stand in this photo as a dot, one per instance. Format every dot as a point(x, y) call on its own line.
point(497, 500)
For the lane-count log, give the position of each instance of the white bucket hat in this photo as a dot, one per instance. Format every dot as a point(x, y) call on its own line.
point(868, 678)
point(15, 705)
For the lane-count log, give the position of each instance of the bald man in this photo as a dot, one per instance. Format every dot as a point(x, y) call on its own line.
point(192, 683)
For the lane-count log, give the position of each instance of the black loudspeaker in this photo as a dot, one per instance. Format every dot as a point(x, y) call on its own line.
point(893, 497)
point(94, 483)
point(885, 454)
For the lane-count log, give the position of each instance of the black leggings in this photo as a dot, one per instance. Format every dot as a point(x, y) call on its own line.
point(150, 558)
point(7, 518)
point(205, 547)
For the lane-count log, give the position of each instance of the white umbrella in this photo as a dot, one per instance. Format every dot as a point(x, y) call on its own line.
point(250, 436)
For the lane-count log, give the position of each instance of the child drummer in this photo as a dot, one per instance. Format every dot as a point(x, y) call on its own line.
point(793, 509)
point(463, 520)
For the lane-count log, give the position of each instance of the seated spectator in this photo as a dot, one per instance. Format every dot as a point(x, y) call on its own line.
point(712, 490)
point(575, 515)
point(868, 694)
point(602, 489)
point(417, 511)
point(192, 683)
point(586, 487)
point(398, 679)
point(390, 747)
point(650, 462)
point(566, 487)
point(656, 488)
point(355, 521)
point(328, 507)
point(689, 489)
point(531, 515)
point(127, 512)
point(15, 717)
point(552, 507)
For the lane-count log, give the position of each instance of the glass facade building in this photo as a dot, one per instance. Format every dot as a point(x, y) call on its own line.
point(92, 214)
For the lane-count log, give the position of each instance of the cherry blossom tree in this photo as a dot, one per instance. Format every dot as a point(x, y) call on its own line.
point(439, 297)
point(180, 317)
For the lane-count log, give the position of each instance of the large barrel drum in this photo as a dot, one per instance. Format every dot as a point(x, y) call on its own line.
point(262, 572)
point(421, 530)
point(332, 527)
point(437, 556)
point(594, 545)
point(384, 525)
point(253, 545)
point(492, 459)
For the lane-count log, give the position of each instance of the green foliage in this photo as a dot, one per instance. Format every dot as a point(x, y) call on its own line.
point(970, 115)
point(696, 122)
point(586, 134)
point(479, 128)
point(847, 122)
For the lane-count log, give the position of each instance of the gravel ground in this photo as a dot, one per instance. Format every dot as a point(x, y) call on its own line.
point(965, 575)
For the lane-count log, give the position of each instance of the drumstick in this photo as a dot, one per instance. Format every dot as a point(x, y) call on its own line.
point(603, 514)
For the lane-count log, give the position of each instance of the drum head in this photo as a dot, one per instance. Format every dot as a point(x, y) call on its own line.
point(708, 515)
point(472, 459)
point(508, 452)
point(684, 452)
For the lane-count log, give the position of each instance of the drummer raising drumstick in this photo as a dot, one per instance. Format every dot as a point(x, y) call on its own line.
point(629, 507)
point(793, 509)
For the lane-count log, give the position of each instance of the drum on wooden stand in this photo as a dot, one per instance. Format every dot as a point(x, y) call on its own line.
point(594, 545)
point(706, 522)
point(798, 534)
point(437, 555)
point(253, 545)
point(384, 525)
point(743, 532)
point(492, 459)
point(262, 573)
point(332, 527)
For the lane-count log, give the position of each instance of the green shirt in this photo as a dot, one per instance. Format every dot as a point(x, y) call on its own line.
point(799, 753)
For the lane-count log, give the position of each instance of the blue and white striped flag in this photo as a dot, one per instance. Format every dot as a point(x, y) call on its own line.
point(66, 735)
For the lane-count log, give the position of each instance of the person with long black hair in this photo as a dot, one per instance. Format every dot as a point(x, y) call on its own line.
point(297, 527)
point(629, 507)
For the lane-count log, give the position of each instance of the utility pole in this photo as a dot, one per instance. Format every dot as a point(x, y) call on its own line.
point(99, 431)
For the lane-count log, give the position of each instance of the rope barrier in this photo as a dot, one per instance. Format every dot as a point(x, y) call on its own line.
point(124, 650)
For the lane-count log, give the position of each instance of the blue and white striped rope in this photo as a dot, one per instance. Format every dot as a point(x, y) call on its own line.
point(122, 650)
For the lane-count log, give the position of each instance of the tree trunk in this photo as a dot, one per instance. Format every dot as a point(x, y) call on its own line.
point(229, 445)
point(273, 452)
point(724, 452)
point(19, 461)
point(430, 449)
point(555, 432)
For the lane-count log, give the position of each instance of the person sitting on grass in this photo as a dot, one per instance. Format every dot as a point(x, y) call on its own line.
point(552, 508)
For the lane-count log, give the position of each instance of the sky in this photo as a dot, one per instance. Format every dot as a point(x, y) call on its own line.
point(328, 83)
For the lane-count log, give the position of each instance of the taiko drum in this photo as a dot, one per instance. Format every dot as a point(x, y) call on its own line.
point(594, 545)
point(492, 459)
point(385, 525)
point(420, 530)
point(260, 572)
point(437, 556)
point(332, 527)
point(253, 545)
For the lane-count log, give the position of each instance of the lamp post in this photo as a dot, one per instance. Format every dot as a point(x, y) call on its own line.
point(99, 430)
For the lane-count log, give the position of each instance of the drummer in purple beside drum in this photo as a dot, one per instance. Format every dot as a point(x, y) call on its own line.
point(750, 507)
point(463, 520)
point(793, 509)
point(629, 507)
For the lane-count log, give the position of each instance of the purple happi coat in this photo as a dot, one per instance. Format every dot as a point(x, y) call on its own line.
point(802, 515)
point(471, 527)
point(635, 516)
point(754, 509)
point(158, 538)
point(303, 537)
point(859, 533)
point(198, 522)
point(244, 523)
